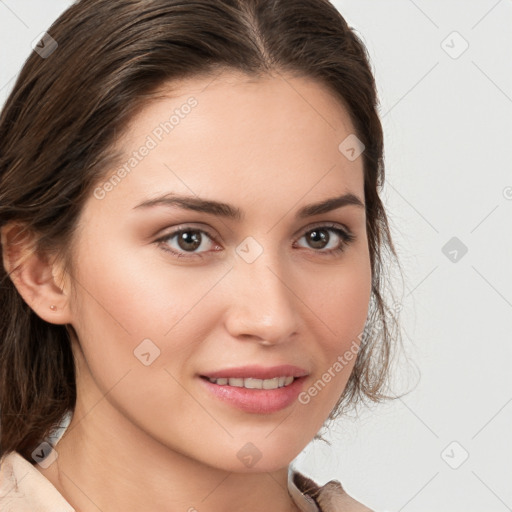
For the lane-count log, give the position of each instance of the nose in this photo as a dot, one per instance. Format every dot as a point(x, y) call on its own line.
point(262, 305)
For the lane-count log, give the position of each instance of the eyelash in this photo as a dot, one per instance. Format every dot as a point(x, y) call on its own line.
point(346, 239)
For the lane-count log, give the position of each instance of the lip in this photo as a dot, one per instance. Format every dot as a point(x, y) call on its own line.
point(255, 401)
point(258, 372)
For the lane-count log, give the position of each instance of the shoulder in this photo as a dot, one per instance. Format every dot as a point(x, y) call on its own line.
point(331, 497)
point(24, 489)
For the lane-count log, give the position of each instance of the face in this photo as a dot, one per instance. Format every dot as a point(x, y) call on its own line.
point(171, 291)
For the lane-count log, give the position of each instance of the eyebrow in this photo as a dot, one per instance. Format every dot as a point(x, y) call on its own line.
point(231, 212)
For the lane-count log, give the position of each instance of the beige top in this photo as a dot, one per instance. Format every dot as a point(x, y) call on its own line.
point(24, 489)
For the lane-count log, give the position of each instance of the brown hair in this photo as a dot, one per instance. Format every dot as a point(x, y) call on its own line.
point(59, 125)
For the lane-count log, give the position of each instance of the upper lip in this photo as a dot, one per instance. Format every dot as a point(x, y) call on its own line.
point(258, 372)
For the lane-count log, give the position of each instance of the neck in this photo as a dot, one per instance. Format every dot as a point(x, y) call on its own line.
point(105, 462)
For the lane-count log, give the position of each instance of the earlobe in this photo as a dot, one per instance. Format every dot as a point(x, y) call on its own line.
point(33, 275)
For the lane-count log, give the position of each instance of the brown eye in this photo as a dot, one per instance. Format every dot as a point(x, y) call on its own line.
point(189, 242)
point(185, 242)
point(319, 239)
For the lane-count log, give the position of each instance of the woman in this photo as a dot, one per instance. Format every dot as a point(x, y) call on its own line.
point(192, 239)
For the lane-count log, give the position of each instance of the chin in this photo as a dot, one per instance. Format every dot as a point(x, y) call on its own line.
point(266, 452)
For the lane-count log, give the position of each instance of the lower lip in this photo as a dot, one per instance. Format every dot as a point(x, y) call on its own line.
point(256, 401)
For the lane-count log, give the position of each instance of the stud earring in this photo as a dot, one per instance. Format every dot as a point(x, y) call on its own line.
point(53, 307)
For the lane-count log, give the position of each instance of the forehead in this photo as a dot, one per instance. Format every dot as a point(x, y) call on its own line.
point(275, 136)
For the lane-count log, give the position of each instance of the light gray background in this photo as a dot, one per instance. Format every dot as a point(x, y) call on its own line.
point(447, 118)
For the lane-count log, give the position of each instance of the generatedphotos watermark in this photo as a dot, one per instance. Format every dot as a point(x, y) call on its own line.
point(343, 360)
point(340, 363)
point(151, 142)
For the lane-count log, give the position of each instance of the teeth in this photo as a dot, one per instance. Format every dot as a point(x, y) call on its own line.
point(250, 383)
point(253, 383)
point(270, 383)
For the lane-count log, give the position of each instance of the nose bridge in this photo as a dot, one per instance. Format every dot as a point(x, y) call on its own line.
point(262, 304)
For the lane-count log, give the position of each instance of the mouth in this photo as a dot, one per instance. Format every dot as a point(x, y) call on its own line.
point(256, 389)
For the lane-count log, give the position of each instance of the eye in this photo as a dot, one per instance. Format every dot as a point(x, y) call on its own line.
point(319, 239)
point(187, 240)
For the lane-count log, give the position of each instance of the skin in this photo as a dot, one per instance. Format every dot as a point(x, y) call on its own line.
point(150, 437)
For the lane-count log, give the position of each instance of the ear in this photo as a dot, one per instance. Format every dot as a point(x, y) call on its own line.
point(36, 276)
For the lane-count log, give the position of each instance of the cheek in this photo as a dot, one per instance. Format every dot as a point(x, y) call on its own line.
point(340, 298)
point(134, 308)
point(340, 301)
point(136, 293)
point(139, 325)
